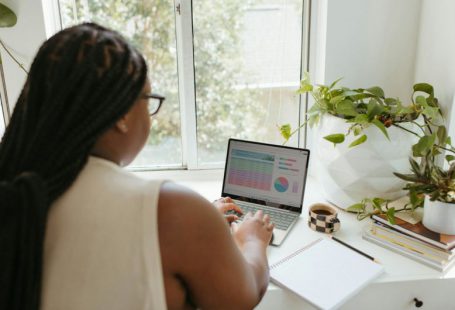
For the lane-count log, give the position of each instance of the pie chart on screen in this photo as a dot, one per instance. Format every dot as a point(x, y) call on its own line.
point(281, 184)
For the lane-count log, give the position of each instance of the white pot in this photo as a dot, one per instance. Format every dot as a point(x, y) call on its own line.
point(439, 216)
point(365, 171)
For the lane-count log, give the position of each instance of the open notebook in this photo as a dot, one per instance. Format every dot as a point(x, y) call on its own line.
point(325, 273)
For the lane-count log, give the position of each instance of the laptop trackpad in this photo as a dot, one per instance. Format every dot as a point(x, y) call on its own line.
point(278, 236)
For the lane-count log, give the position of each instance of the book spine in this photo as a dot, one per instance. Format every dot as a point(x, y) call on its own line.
point(403, 252)
point(419, 245)
point(411, 233)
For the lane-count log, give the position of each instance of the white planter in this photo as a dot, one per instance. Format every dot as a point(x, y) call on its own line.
point(439, 216)
point(365, 171)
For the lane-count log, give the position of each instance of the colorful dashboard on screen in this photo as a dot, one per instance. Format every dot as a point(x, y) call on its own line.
point(271, 173)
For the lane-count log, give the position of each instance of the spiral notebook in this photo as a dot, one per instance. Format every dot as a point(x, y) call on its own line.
point(325, 273)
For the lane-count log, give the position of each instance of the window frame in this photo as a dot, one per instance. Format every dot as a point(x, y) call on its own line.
point(183, 12)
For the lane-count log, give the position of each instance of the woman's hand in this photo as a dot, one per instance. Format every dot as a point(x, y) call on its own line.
point(255, 227)
point(225, 205)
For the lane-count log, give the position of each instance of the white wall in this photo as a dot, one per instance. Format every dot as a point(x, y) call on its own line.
point(435, 61)
point(23, 40)
point(368, 43)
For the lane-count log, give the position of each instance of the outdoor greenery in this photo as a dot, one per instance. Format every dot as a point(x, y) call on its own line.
point(224, 107)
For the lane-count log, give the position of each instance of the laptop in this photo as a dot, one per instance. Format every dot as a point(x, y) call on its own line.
point(267, 177)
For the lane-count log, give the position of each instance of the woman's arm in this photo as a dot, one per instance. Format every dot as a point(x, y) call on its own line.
point(203, 263)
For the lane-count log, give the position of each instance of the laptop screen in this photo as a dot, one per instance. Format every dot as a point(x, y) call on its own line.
point(268, 174)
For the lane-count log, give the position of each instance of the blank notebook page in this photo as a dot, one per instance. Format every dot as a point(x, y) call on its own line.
point(325, 273)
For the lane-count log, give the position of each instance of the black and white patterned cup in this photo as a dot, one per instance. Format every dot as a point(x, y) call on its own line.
point(323, 218)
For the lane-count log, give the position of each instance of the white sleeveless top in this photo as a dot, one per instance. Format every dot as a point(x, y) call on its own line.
point(101, 246)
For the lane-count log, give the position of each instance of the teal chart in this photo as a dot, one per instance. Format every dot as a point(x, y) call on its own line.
point(281, 184)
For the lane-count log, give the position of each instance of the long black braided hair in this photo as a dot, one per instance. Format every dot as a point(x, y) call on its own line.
point(82, 80)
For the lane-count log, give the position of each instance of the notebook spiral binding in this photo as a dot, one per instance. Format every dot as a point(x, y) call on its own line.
point(297, 252)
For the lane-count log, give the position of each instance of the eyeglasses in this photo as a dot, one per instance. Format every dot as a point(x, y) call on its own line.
point(155, 102)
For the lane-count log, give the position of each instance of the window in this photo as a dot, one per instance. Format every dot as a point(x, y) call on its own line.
point(227, 69)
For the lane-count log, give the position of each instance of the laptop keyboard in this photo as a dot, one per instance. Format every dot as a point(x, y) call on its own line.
point(281, 220)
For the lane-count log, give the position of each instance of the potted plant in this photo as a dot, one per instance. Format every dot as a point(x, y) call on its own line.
point(430, 183)
point(373, 135)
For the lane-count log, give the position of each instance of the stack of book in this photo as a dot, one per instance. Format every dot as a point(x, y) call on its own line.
point(414, 241)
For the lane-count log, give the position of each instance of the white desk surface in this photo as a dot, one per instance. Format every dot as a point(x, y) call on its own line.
point(397, 267)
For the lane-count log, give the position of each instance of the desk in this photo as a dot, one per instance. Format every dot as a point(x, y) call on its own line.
point(404, 279)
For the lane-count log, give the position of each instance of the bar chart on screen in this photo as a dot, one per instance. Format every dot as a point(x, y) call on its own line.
point(251, 169)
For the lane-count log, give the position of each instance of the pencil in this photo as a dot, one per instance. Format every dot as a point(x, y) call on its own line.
point(354, 249)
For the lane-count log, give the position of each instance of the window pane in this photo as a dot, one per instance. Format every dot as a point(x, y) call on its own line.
point(150, 26)
point(247, 67)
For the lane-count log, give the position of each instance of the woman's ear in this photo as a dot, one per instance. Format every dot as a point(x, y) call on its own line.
point(121, 125)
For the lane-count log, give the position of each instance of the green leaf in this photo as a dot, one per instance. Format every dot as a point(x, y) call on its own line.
point(391, 215)
point(420, 100)
point(424, 87)
point(442, 135)
point(285, 131)
point(376, 90)
point(391, 101)
point(361, 119)
point(449, 158)
point(335, 82)
point(431, 112)
point(346, 107)
point(305, 89)
point(374, 109)
point(407, 177)
point(335, 138)
point(356, 208)
point(7, 16)
point(337, 99)
point(358, 141)
point(305, 84)
point(377, 204)
point(381, 127)
point(357, 130)
point(423, 146)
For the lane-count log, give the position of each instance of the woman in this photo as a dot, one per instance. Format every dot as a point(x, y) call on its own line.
point(78, 231)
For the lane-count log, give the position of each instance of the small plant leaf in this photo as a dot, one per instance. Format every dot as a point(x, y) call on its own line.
point(305, 84)
point(357, 130)
point(335, 138)
point(381, 127)
point(442, 135)
point(449, 158)
point(376, 90)
point(335, 83)
point(424, 87)
point(358, 141)
point(423, 146)
point(7, 17)
point(285, 131)
point(356, 208)
point(391, 215)
point(361, 119)
point(407, 177)
point(346, 107)
point(374, 109)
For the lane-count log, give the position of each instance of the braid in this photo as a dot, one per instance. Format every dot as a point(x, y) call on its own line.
point(82, 80)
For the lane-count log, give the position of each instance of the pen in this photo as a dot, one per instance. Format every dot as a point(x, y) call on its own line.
point(354, 249)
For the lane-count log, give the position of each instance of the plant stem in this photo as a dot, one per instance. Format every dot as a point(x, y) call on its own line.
point(14, 58)
point(405, 129)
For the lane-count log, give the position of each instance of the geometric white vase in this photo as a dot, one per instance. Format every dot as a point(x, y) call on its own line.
point(348, 175)
point(439, 216)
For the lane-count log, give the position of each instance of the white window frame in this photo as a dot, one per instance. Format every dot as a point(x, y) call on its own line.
point(186, 75)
